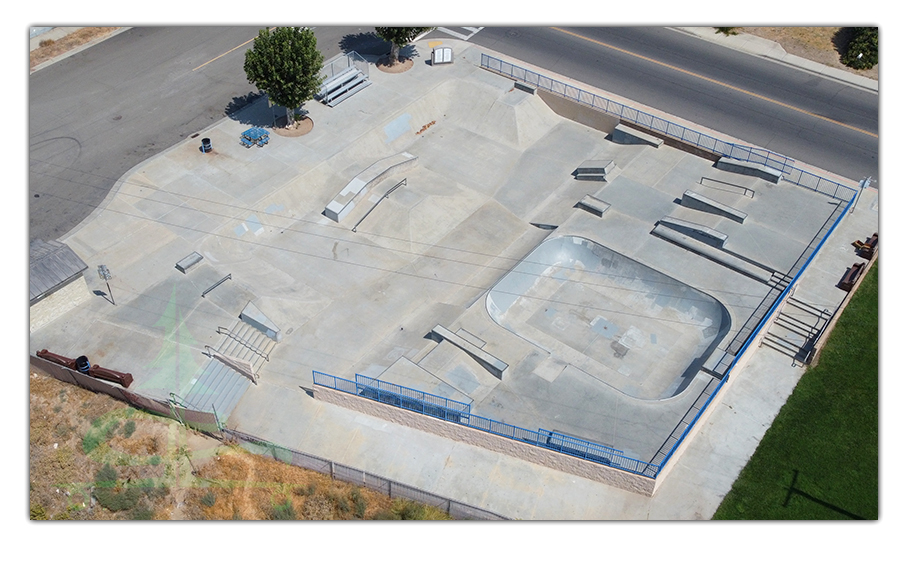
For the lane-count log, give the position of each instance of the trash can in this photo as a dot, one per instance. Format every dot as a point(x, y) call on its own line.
point(82, 364)
point(207, 146)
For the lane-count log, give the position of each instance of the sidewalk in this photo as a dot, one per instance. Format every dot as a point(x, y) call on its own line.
point(771, 50)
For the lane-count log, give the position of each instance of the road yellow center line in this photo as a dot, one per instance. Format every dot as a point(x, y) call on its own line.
point(227, 52)
point(720, 83)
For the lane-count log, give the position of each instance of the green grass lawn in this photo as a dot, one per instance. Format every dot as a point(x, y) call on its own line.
point(819, 460)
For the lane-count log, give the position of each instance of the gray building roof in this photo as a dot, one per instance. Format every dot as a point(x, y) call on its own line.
point(53, 266)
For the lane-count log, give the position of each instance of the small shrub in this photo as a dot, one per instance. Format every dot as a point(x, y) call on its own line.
point(129, 429)
point(728, 31)
point(37, 512)
point(142, 512)
point(862, 51)
point(110, 494)
point(46, 43)
point(90, 441)
point(118, 499)
point(409, 510)
point(106, 476)
point(152, 491)
point(342, 505)
point(359, 503)
point(111, 428)
point(283, 511)
point(208, 499)
point(385, 514)
point(155, 460)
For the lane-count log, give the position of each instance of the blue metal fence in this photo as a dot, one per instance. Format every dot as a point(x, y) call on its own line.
point(457, 412)
point(673, 130)
point(454, 411)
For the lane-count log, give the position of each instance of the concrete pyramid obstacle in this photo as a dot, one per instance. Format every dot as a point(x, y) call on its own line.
point(254, 317)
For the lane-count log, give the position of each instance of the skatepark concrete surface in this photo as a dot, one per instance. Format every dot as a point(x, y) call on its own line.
point(494, 171)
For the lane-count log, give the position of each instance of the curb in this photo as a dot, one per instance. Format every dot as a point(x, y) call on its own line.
point(74, 50)
point(767, 49)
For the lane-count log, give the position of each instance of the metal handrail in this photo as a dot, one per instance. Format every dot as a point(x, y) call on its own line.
point(386, 194)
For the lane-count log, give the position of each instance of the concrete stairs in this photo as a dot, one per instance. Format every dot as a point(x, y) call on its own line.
point(220, 385)
point(796, 330)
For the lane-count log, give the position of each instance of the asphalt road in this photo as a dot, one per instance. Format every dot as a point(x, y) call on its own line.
point(95, 115)
point(807, 117)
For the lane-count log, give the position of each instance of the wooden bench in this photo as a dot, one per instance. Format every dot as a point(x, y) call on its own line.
point(867, 250)
point(851, 276)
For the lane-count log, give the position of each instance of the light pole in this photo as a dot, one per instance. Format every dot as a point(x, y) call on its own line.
point(106, 275)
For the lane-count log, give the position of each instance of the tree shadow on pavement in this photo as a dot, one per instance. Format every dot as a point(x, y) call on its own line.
point(367, 43)
point(243, 110)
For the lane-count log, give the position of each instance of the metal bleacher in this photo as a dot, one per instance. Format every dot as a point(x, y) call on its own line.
point(343, 85)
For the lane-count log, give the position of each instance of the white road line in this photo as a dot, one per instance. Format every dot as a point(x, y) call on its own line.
point(459, 35)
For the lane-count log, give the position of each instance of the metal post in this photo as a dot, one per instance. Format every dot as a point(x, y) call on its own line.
point(106, 275)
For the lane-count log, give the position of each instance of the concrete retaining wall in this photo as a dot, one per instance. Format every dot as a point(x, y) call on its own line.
point(460, 433)
point(579, 113)
point(59, 303)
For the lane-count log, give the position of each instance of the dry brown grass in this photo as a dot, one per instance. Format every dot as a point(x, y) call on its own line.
point(821, 44)
point(245, 486)
point(248, 486)
point(50, 49)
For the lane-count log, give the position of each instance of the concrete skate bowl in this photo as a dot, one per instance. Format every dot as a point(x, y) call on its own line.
point(627, 325)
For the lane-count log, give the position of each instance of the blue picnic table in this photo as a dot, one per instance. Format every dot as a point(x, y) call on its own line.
point(255, 135)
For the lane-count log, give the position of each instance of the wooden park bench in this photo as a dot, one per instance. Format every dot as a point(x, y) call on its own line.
point(867, 250)
point(851, 276)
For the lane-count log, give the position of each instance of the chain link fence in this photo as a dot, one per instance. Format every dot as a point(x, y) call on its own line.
point(208, 423)
point(391, 488)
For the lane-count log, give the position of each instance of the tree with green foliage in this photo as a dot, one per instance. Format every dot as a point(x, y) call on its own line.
point(862, 51)
point(285, 64)
point(399, 38)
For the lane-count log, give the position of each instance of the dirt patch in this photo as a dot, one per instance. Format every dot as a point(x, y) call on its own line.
point(403, 64)
point(299, 128)
point(55, 48)
point(820, 44)
point(175, 473)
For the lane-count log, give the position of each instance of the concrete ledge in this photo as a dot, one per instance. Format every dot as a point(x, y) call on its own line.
point(749, 169)
point(345, 201)
point(702, 233)
point(713, 254)
point(593, 205)
point(597, 170)
point(700, 202)
point(627, 135)
point(527, 88)
point(494, 365)
point(467, 435)
point(189, 262)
